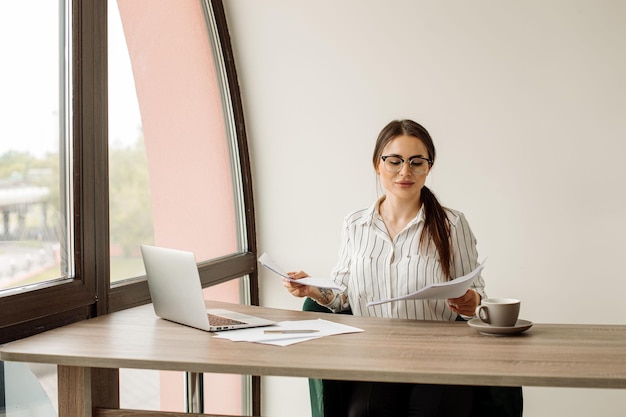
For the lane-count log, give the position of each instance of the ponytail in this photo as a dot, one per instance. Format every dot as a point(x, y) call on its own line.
point(436, 229)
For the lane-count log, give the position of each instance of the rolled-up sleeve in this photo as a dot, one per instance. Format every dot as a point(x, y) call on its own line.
point(341, 272)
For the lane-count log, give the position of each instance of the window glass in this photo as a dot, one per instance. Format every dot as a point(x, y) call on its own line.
point(34, 232)
point(130, 204)
point(171, 158)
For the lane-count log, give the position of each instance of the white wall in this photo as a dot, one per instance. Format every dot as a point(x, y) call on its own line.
point(526, 102)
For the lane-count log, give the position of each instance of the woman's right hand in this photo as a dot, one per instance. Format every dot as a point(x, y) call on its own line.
point(299, 290)
point(321, 296)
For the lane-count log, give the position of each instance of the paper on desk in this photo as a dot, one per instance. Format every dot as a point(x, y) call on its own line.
point(267, 262)
point(450, 289)
point(258, 335)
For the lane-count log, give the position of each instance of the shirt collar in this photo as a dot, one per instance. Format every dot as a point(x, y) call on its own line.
point(368, 215)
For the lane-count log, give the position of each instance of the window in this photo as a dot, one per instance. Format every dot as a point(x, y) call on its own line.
point(190, 181)
point(173, 171)
point(40, 284)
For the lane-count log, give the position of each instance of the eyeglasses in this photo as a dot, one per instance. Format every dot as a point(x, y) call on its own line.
point(418, 164)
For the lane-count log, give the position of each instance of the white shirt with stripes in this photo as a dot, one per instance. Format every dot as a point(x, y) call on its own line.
point(373, 267)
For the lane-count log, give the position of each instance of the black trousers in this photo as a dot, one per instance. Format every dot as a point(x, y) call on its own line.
point(378, 399)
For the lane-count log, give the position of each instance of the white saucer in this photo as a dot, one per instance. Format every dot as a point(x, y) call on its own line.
point(484, 328)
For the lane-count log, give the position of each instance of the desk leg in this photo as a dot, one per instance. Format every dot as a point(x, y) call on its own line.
point(194, 387)
point(83, 389)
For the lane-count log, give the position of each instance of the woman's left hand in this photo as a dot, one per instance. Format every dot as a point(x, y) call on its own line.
point(465, 304)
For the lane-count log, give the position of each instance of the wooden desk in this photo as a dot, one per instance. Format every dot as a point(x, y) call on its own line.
point(90, 353)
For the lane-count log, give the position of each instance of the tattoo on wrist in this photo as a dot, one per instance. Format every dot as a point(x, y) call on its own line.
point(327, 295)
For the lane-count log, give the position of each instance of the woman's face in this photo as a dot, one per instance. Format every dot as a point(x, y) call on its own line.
point(404, 184)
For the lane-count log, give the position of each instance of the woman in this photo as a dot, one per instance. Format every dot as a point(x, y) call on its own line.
point(405, 241)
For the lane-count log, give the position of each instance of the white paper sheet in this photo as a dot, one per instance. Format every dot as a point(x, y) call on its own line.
point(258, 334)
point(450, 289)
point(267, 262)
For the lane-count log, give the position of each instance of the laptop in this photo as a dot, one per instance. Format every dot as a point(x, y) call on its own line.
point(176, 291)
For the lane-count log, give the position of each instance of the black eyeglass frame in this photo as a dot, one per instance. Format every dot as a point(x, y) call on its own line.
point(430, 161)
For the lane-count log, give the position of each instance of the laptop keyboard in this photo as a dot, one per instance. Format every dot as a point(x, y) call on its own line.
point(222, 321)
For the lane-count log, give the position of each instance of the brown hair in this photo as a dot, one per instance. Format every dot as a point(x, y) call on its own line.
point(437, 225)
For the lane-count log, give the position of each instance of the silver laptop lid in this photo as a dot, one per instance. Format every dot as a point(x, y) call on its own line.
point(174, 285)
point(176, 291)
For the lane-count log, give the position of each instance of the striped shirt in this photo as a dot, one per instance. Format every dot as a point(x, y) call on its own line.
point(373, 267)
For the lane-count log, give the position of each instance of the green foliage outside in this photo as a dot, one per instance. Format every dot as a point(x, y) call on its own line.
point(24, 168)
point(129, 198)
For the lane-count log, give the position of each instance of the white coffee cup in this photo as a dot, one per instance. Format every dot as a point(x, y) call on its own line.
point(499, 312)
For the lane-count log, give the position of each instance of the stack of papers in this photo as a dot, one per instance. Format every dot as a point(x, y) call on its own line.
point(288, 332)
point(267, 262)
